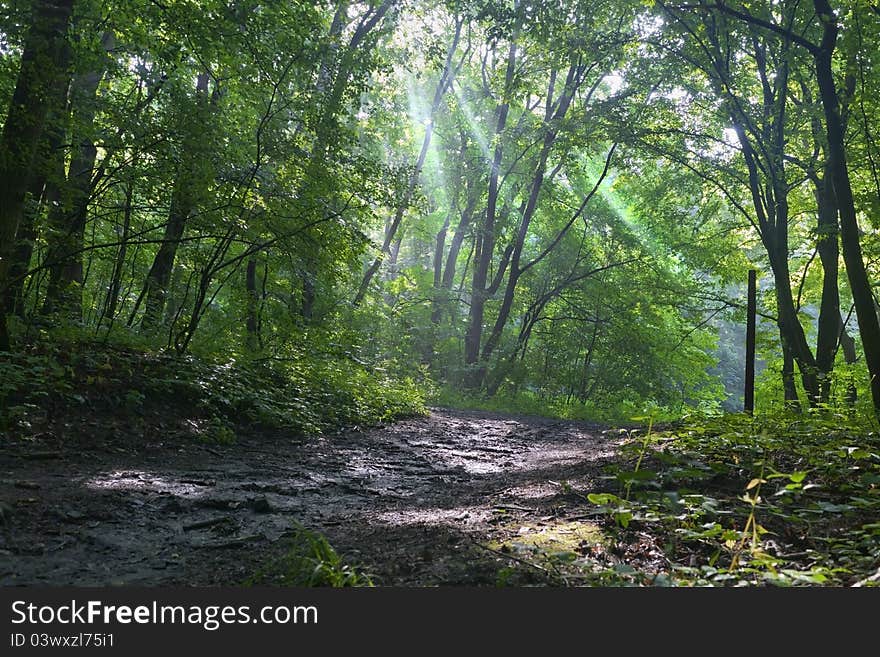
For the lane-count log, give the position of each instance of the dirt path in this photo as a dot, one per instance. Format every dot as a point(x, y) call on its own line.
point(412, 503)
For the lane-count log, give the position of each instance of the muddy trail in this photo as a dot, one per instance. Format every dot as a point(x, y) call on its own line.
point(424, 501)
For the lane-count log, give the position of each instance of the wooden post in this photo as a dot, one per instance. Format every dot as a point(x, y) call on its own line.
point(751, 308)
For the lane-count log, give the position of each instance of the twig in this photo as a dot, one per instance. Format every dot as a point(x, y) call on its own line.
point(512, 558)
point(201, 524)
point(868, 580)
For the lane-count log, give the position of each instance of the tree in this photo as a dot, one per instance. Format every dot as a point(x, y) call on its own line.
point(43, 63)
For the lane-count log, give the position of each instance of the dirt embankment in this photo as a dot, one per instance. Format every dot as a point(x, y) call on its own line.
point(419, 502)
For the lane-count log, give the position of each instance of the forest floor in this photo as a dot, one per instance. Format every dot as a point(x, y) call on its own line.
point(455, 498)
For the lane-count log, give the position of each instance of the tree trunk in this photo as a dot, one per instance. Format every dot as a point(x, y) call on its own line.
point(791, 331)
point(486, 237)
point(515, 270)
point(869, 327)
point(183, 204)
point(252, 341)
point(439, 250)
point(455, 245)
point(44, 60)
point(119, 262)
point(48, 170)
point(328, 126)
point(159, 276)
point(829, 309)
point(850, 357)
point(771, 208)
point(14, 301)
point(67, 220)
point(789, 387)
point(442, 86)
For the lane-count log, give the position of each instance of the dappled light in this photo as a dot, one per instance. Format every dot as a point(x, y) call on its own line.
point(496, 292)
point(454, 517)
point(137, 481)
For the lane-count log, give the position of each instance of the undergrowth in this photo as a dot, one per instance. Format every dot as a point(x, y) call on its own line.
point(733, 500)
point(529, 403)
point(307, 395)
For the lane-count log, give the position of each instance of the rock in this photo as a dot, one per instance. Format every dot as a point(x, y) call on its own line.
point(259, 505)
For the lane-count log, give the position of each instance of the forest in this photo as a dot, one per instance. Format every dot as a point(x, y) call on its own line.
point(447, 292)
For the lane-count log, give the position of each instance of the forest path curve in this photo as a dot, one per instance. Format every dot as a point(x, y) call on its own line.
point(413, 503)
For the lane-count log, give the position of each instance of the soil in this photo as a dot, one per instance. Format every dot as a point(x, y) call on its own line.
point(424, 501)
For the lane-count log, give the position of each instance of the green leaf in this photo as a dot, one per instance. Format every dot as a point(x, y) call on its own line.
point(623, 518)
point(637, 475)
point(603, 498)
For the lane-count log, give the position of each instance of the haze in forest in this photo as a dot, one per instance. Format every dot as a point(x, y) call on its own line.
point(534, 200)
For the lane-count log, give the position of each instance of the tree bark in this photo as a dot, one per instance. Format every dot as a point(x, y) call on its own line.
point(119, 262)
point(252, 341)
point(67, 220)
point(486, 237)
point(44, 60)
point(829, 309)
point(789, 387)
point(869, 326)
point(183, 204)
point(14, 300)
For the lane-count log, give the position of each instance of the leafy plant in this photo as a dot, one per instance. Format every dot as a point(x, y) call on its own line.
point(310, 561)
point(808, 484)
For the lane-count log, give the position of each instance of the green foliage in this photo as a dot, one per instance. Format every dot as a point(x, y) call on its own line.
point(531, 403)
point(259, 155)
point(306, 395)
point(777, 499)
point(310, 561)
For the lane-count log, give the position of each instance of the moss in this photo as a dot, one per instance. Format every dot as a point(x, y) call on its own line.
point(558, 540)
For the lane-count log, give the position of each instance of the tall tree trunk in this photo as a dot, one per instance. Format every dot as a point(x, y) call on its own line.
point(393, 258)
point(252, 341)
point(829, 309)
point(48, 171)
point(869, 326)
point(119, 262)
point(789, 387)
point(44, 60)
point(183, 204)
point(518, 244)
point(443, 85)
point(14, 300)
point(771, 209)
point(443, 291)
point(850, 357)
point(67, 220)
point(159, 276)
point(439, 251)
point(791, 331)
point(458, 237)
point(328, 125)
point(486, 238)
